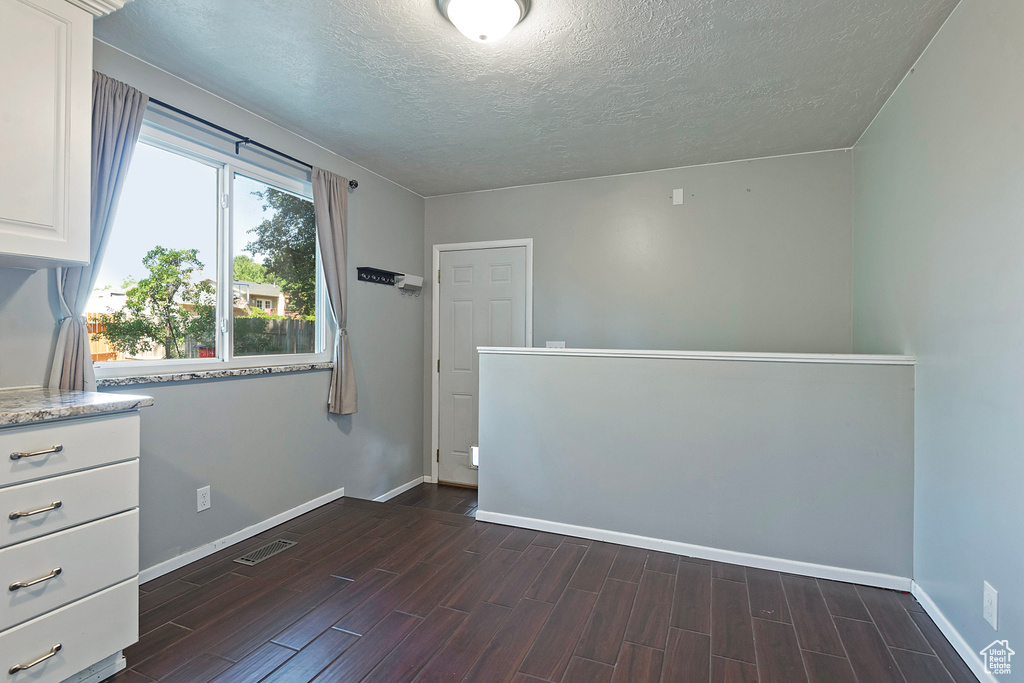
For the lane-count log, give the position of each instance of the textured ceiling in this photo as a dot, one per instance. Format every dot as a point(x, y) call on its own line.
point(579, 89)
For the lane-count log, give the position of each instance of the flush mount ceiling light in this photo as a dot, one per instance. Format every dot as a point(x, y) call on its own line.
point(484, 21)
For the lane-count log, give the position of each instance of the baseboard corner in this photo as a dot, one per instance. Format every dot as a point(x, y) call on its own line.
point(959, 643)
point(398, 490)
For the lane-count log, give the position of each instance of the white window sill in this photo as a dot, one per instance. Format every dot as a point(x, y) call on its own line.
point(213, 373)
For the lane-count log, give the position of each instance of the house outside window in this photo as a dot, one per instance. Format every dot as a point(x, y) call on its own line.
point(212, 262)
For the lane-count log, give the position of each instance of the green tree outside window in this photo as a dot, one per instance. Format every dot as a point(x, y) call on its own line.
point(166, 308)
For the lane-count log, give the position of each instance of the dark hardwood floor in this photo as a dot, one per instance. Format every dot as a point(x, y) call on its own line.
point(455, 499)
point(420, 591)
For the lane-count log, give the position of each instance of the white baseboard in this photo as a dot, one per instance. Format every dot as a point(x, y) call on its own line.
point(202, 551)
point(966, 652)
point(678, 548)
point(398, 490)
point(429, 480)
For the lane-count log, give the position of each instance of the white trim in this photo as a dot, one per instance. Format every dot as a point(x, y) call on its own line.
point(491, 244)
point(100, 8)
point(435, 333)
point(834, 358)
point(202, 551)
point(651, 170)
point(429, 480)
point(180, 143)
point(966, 652)
point(716, 554)
point(398, 490)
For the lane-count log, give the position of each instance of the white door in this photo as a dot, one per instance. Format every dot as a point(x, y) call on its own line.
point(482, 303)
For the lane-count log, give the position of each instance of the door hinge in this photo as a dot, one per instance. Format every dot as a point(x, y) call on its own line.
point(439, 365)
point(439, 276)
point(439, 455)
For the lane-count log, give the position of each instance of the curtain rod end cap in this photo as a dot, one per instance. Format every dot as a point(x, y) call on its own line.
point(353, 184)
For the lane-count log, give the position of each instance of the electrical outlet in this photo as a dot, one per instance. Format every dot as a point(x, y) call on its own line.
point(990, 606)
point(203, 499)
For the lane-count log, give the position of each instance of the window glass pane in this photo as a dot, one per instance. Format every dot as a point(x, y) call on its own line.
point(275, 269)
point(156, 292)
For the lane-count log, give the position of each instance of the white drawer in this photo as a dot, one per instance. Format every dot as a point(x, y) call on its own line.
point(87, 631)
point(83, 497)
point(90, 557)
point(84, 442)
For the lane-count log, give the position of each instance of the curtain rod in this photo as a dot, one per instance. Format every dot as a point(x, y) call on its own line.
point(242, 140)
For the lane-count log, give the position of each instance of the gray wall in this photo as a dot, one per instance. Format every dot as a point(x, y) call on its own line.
point(28, 326)
point(264, 444)
point(811, 462)
point(756, 259)
point(938, 245)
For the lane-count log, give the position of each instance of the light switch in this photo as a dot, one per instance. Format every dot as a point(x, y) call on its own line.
point(677, 197)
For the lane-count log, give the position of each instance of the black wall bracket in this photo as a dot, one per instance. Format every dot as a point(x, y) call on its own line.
point(381, 277)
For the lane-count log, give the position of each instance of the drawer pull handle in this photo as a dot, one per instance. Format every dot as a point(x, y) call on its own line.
point(25, 584)
point(28, 513)
point(17, 455)
point(28, 665)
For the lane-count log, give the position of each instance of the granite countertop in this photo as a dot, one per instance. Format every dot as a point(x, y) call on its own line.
point(21, 406)
point(216, 373)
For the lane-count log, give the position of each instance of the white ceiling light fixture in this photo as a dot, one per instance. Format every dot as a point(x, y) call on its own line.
point(484, 21)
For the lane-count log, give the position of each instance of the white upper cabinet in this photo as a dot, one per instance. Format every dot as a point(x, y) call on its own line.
point(45, 131)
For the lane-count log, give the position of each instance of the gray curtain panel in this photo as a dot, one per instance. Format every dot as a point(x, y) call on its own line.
point(117, 111)
point(330, 202)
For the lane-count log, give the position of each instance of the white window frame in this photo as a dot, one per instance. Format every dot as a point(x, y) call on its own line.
point(228, 167)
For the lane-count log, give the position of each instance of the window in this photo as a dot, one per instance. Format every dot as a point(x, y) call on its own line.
point(275, 264)
point(212, 260)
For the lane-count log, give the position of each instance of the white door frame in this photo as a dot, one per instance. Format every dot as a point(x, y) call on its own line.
point(435, 332)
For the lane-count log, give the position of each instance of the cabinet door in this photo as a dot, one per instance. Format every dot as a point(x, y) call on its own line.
point(87, 631)
point(67, 565)
point(45, 130)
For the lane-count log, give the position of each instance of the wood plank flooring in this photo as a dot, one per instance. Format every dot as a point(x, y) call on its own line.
point(418, 590)
point(455, 499)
